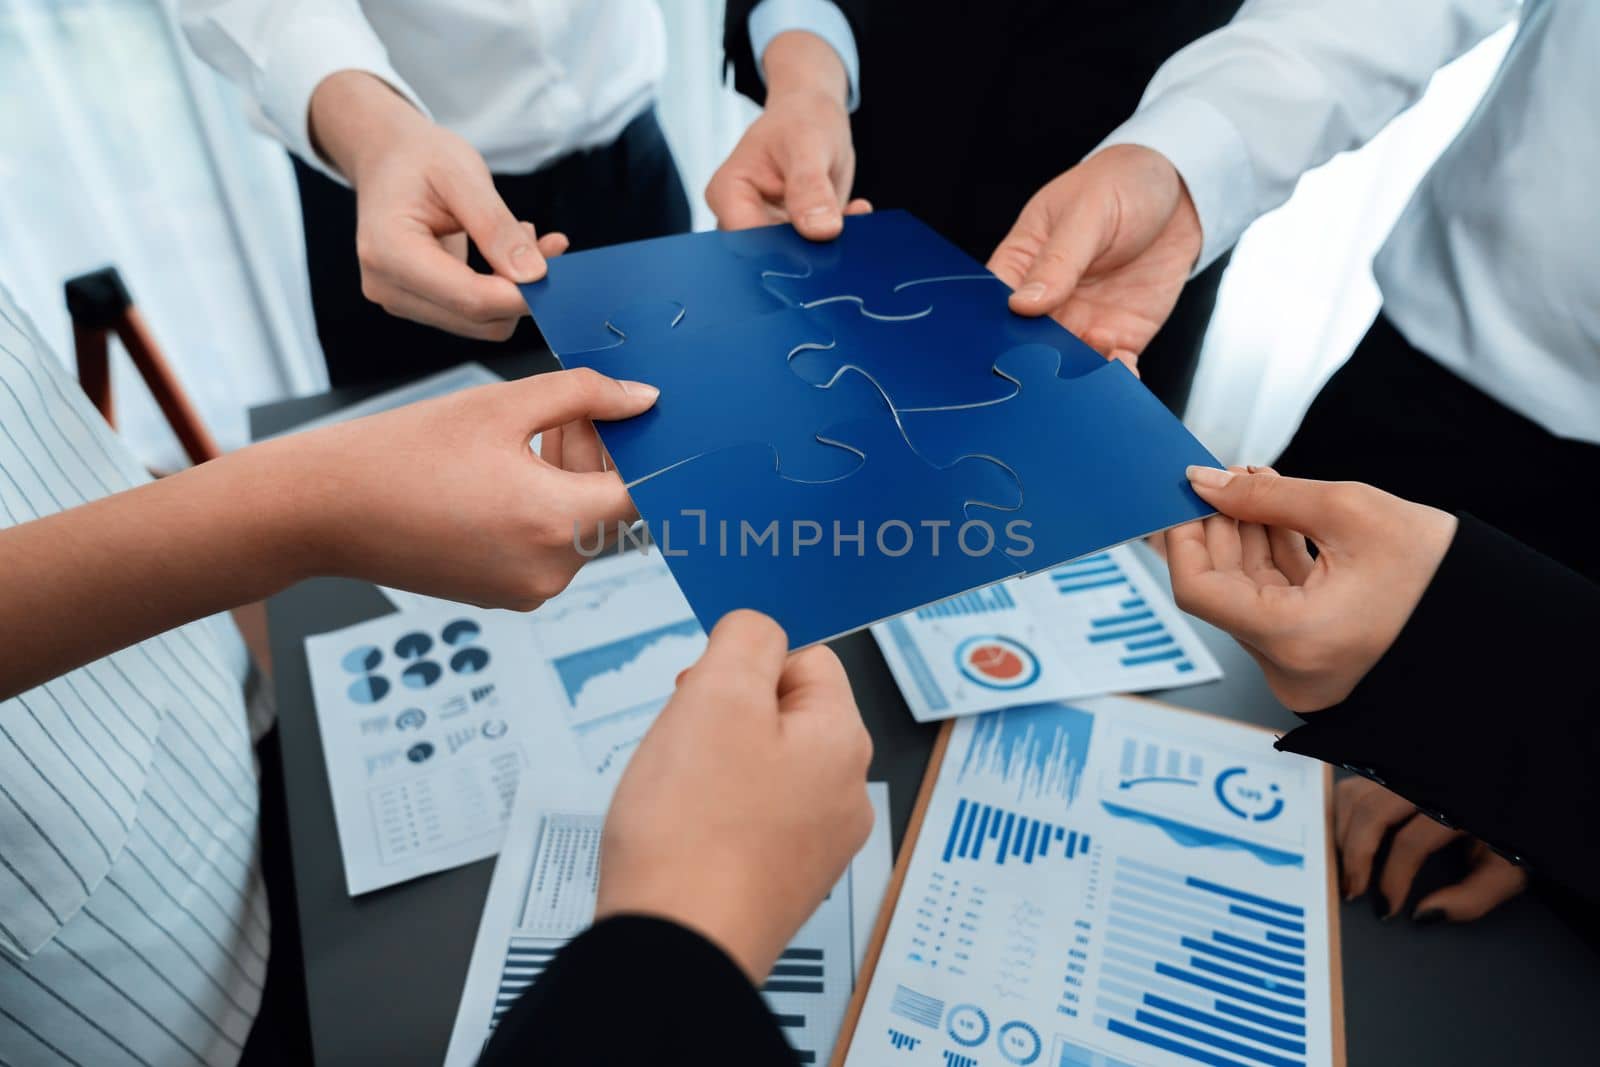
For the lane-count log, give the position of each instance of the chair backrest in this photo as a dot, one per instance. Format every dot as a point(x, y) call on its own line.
point(99, 305)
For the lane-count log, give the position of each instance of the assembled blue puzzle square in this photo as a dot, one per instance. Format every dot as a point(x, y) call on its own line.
point(850, 430)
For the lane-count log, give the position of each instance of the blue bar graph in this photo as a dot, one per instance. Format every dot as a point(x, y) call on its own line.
point(1017, 838)
point(1038, 748)
point(1192, 967)
point(1091, 572)
point(978, 602)
point(1133, 623)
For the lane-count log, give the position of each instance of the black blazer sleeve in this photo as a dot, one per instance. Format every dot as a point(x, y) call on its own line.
point(638, 990)
point(736, 51)
point(1486, 711)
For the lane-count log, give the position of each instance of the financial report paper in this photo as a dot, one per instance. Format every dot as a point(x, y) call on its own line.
point(1101, 624)
point(428, 716)
point(543, 895)
point(426, 719)
point(1110, 883)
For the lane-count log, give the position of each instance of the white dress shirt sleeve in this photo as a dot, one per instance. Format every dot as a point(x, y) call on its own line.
point(1243, 112)
point(821, 17)
point(279, 51)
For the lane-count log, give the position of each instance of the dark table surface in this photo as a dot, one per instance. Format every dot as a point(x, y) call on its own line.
point(384, 971)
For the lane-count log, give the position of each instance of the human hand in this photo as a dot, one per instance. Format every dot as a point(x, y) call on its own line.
point(1315, 626)
point(796, 162)
point(421, 192)
point(1364, 813)
point(1104, 249)
point(446, 497)
point(747, 798)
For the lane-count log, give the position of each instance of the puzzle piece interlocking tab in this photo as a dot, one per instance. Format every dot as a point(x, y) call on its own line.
point(942, 357)
point(731, 385)
point(824, 558)
point(1099, 458)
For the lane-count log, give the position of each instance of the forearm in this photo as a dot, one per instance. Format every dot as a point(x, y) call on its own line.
point(85, 582)
point(1484, 711)
point(1244, 112)
point(355, 117)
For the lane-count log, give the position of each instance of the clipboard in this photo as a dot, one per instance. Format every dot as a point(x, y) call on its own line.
point(930, 778)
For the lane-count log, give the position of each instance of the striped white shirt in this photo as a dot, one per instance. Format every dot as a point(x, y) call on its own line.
point(133, 920)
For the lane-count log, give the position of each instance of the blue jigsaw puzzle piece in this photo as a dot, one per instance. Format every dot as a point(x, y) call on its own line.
point(713, 278)
point(1100, 459)
point(769, 543)
point(943, 357)
point(725, 386)
point(869, 264)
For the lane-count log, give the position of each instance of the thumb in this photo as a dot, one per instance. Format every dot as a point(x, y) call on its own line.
point(810, 199)
point(510, 247)
point(561, 397)
point(1320, 510)
point(741, 669)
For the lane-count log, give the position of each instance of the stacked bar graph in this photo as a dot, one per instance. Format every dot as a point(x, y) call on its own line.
point(1129, 624)
point(1203, 970)
point(1015, 838)
point(978, 602)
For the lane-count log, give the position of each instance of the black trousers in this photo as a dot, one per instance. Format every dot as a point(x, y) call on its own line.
point(625, 191)
point(1396, 419)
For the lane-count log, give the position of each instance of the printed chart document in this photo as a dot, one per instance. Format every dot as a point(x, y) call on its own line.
point(543, 895)
point(611, 647)
point(426, 721)
point(1114, 883)
point(1101, 624)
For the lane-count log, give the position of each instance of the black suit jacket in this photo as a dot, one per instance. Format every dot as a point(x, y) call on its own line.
point(1485, 712)
point(969, 106)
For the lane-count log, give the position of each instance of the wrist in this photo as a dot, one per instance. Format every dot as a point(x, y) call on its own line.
point(356, 117)
point(801, 63)
point(285, 515)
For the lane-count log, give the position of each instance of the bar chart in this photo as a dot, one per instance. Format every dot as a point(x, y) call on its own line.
point(1036, 752)
point(1016, 838)
point(996, 598)
point(1203, 970)
point(1123, 621)
point(526, 960)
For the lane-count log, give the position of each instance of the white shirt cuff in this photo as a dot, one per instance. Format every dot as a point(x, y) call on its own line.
point(820, 17)
point(318, 46)
point(1209, 154)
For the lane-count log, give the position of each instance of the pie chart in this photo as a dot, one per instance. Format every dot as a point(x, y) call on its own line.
point(413, 645)
point(997, 662)
point(368, 690)
point(460, 632)
point(361, 660)
point(469, 660)
point(421, 674)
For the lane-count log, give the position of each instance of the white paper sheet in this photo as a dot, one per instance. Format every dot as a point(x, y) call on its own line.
point(1098, 625)
point(1109, 884)
point(427, 719)
point(543, 895)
